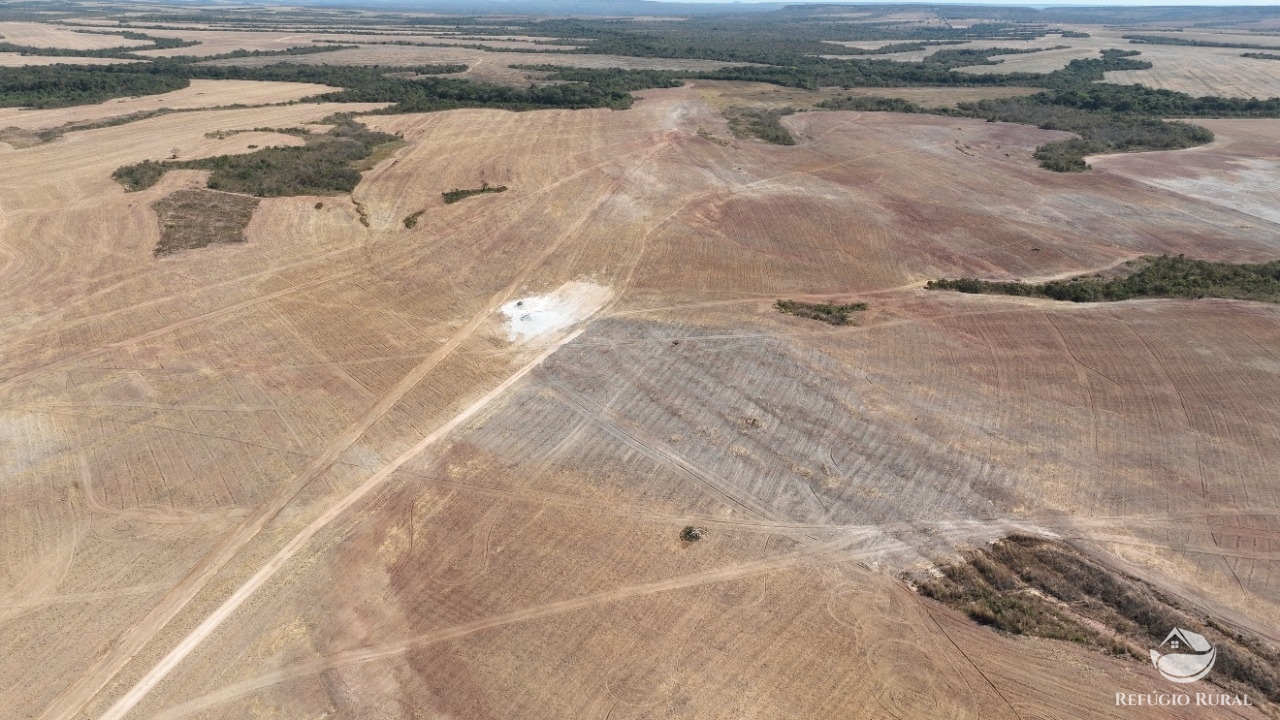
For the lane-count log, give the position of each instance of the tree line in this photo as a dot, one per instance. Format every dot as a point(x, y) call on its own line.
point(1160, 277)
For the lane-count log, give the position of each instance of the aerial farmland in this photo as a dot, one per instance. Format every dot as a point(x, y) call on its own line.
point(671, 362)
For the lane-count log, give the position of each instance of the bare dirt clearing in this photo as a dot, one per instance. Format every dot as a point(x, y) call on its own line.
point(1239, 170)
point(312, 473)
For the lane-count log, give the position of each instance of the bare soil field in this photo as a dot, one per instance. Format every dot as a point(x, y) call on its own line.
point(53, 36)
point(1044, 61)
point(1204, 71)
point(722, 94)
point(1194, 70)
point(199, 94)
point(1239, 170)
point(20, 60)
point(483, 65)
point(324, 472)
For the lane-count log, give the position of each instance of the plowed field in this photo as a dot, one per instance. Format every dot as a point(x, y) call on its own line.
point(321, 473)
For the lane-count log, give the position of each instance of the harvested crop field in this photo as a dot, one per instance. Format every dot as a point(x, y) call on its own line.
point(1204, 71)
point(483, 65)
point(199, 94)
point(53, 36)
point(359, 469)
point(721, 94)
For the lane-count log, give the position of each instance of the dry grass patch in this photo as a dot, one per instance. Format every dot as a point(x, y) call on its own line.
point(192, 219)
point(19, 138)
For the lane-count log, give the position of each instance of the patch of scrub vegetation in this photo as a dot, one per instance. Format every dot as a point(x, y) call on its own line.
point(761, 123)
point(1028, 585)
point(411, 220)
point(829, 313)
point(324, 165)
point(455, 195)
point(192, 219)
point(1261, 56)
point(872, 103)
point(1159, 277)
point(224, 134)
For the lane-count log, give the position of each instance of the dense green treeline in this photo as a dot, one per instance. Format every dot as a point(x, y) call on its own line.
point(906, 47)
point(771, 39)
point(431, 94)
point(1166, 40)
point(1162, 277)
point(874, 103)
point(611, 79)
point(50, 86)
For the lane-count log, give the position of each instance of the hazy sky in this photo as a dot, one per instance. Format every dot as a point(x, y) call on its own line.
point(1087, 3)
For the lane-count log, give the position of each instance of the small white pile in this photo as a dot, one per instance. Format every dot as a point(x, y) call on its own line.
point(537, 315)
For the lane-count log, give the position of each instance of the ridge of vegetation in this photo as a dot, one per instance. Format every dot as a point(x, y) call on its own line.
point(1261, 56)
point(830, 313)
point(324, 165)
point(902, 47)
point(455, 194)
point(1026, 585)
point(1164, 40)
point(1158, 277)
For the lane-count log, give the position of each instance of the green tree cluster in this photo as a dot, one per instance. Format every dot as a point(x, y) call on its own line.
point(324, 165)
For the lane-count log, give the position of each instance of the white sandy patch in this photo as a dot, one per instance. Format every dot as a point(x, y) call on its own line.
point(1248, 186)
point(538, 315)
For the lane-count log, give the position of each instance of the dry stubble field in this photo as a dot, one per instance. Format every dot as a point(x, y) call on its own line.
point(318, 474)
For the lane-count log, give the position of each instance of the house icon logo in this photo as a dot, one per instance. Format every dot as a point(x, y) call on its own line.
point(1189, 656)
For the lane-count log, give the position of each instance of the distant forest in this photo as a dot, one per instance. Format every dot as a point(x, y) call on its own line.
point(791, 47)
